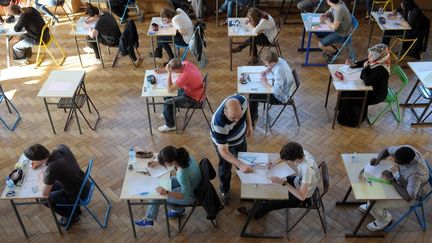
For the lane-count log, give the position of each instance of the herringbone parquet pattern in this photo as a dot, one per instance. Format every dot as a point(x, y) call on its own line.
point(116, 92)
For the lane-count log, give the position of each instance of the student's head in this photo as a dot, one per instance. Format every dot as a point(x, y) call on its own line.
point(14, 9)
point(91, 10)
point(378, 53)
point(332, 2)
point(404, 155)
point(233, 110)
point(292, 151)
point(408, 5)
point(255, 15)
point(167, 14)
point(37, 152)
point(176, 65)
point(171, 155)
point(269, 58)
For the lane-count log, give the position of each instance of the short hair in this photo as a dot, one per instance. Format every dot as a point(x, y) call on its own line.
point(334, 1)
point(14, 9)
point(291, 151)
point(269, 56)
point(175, 63)
point(168, 13)
point(36, 152)
point(404, 155)
point(170, 154)
point(91, 10)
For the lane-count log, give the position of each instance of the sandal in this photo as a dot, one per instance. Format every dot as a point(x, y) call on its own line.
point(144, 154)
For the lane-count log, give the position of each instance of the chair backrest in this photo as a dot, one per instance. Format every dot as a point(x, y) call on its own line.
point(45, 29)
point(397, 70)
point(324, 177)
point(204, 93)
point(87, 178)
point(297, 83)
point(319, 5)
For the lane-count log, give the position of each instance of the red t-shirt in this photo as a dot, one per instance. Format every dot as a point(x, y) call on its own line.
point(191, 81)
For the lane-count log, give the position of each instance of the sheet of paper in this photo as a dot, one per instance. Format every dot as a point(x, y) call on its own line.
point(159, 170)
point(352, 76)
point(162, 80)
point(281, 170)
point(425, 68)
point(347, 70)
point(427, 78)
point(315, 19)
point(376, 171)
point(81, 28)
point(254, 158)
point(59, 87)
point(259, 176)
point(345, 85)
point(149, 187)
point(252, 69)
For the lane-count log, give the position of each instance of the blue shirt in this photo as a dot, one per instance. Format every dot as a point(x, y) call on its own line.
point(283, 81)
point(224, 131)
point(189, 178)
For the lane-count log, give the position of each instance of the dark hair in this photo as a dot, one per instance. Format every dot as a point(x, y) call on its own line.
point(334, 1)
point(91, 10)
point(170, 154)
point(14, 9)
point(291, 151)
point(404, 155)
point(409, 4)
point(255, 15)
point(36, 152)
point(168, 13)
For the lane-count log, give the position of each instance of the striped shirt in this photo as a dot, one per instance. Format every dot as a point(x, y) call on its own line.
point(224, 131)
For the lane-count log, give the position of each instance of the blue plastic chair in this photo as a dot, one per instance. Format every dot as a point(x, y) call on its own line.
point(9, 105)
point(348, 42)
point(185, 51)
point(419, 204)
point(86, 201)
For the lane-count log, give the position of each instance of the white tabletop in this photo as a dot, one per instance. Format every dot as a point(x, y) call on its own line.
point(159, 89)
point(351, 82)
point(390, 24)
point(80, 29)
point(8, 29)
point(62, 83)
point(244, 29)
point(32, 183)
point(255, 86)
point(136, 182)
point(164, 30)
point(354, 163)
point(423, 70)
point(311, 22)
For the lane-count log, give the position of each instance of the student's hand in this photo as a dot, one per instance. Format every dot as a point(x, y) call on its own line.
point(160, 70)
point(245, 168)
point(36, 164)
point(322, 18)
point(153, 163)
point(404, 23)
point(263, 79)
point(349, 63)
point(388, 175)
point(365, 64)
point(276, 180)
point(263, 73)
point(374, 162)
point(249, 130)
point(161, 191)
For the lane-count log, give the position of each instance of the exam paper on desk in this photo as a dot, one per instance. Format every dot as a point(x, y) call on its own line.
point(376, 170)
point(261, 176)
point(255, 158)
point(150, 186)
point(348, 70)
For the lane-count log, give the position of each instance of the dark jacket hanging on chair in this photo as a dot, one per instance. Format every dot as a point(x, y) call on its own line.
point(129, 40)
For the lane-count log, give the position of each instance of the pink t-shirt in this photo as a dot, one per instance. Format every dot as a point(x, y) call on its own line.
point(191, 81)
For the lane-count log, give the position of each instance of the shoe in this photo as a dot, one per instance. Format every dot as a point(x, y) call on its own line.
point(63, 221)
point(254, 121)
point(362, 208)
point(97, 61)
point(378, 225)
point(174, 214)
point(235, 50)
point(243, 210)
point(144, 223)
point(225, 198)
point(166, 128)
point(87, 49)
point(24, 61)
point(161, 115)
point(223, 23)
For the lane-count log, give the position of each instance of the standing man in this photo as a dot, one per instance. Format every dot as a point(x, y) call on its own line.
point(62, 178)
point(230, 124)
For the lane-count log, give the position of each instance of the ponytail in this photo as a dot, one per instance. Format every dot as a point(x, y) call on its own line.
point(169, 154)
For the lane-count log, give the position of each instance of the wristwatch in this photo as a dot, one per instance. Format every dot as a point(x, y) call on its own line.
point(284, 183)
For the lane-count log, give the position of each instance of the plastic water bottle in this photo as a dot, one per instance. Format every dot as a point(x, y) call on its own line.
point(132, 158)
point(380, 11)
point(10, 184)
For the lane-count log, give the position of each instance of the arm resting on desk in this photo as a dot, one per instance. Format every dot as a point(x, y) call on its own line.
point(46, 189)
point(401, 191)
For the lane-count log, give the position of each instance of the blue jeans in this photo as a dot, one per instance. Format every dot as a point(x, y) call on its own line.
point(334, 37)
point(181, 101)
point(153, 210)
point(228, 5)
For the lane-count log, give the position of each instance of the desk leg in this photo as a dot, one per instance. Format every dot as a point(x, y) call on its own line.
point(354, 5)
point(79, 54)
point(252, 56)
point(131, 218)
point(345, 202)
point(230, 51)
point(217, 13)
point(400, 47)
point(148, 115)
point(166, 217)
point(421, 118)
point(302, 41)
point(8, 63)
point(19, 218)
point(153, 51)
point(406, 103)
point(355, 235)
point(336, 109)
point(370, 34)
point(267, 106)
point(100, 53)
point(328, 91)
point(49, 116)
point(175, 115)
point(362, 109)
point(175, 52)
point(255, 235)
point(55, 218)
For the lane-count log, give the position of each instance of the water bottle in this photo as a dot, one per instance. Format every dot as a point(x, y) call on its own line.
point(10, 184)
point(132, 158)
point(380, 11)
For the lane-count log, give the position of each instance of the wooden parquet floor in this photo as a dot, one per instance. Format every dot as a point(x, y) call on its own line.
point(117, 94)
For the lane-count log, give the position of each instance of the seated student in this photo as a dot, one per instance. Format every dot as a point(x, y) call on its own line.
point(183, 185)
point(376, 72)
point(30, 20)
point(189, 80)
point(337, 18)
point(62, 178)
point(410, 182)
point(300, 187)
point(105, 29)
point(228, 6)
point(184, 26)
point(282, 86)
point(264, 27)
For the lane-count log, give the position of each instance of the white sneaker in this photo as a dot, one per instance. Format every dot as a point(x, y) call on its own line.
point(88, 49)
point(362, 208)
point(161, 115)
point(378, 225)
point(22, 61)
point(96, 61)
point(166, 128)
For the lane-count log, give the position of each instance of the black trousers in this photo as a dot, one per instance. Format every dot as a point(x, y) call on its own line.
point(59, 196)
point(101, 40)
point(253, 105)
point(224, 167)
point(164, 42)
point(260, 39)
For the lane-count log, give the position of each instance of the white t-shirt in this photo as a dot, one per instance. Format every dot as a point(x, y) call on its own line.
point(308, 173)
point(183, 24)
point(268, 27)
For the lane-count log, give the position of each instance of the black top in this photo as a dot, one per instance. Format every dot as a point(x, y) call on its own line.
point(33, 23)
point(63, 167)
point(377, 77)
point(108, 28)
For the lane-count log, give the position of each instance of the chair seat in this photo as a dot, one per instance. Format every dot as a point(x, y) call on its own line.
point(67, 103)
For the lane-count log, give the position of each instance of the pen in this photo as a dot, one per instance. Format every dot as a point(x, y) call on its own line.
point(143, 193)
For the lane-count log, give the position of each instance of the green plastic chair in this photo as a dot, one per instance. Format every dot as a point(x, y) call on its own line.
point(393, 97)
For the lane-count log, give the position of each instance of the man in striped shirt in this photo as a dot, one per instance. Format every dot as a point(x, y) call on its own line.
point(230, 124)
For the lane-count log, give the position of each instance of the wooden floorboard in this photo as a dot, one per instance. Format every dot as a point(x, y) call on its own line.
point(117, 94)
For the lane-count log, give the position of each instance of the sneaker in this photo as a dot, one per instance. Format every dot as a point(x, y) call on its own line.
point(243, 210)
point(87, 49)
point(174, 214)
point(63, 221)
point(161, 115)
point(24, 61)
point(166, 128)
point(362, 208)
point(144, 223)
point(96, 61)
point(379, 225)
point(225, 198)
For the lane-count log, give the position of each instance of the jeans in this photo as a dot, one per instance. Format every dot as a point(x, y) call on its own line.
point(228, 6)
point(20, 49)
point(181, 101)
point(224, 167)
point(164, 42)
point(253, 105)
point(59, 196)
point(261, 39)
point(40, 5)
point(153, 210)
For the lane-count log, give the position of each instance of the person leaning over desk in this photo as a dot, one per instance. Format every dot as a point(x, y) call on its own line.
point(300, 187)
point(282, 84)
point(183, 185)
point(62, 178)
point(409, 180)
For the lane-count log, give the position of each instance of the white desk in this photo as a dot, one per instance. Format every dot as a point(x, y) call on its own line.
point(423, 71)
point(158, 90)
point(67, 85)
point(30, 189)
point(135, 182)
point(164, 30)
point(259, 193)
point(7, 31)
point(353, 164)
point(254, 86)
point(80, 31)
point(312, 25)
point(244, 30)
point(350, 83)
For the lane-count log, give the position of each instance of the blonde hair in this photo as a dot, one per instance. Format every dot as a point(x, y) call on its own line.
point(175, 64)
point(269, 56)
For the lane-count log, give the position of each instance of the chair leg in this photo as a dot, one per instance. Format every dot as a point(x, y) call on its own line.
point(388, 106)
point(295, 113)
point(205, 116)
point(322, 217)
point(208, 103)
point(181, 226)
point(188, 118)
point(277, 117)
point(115, 58)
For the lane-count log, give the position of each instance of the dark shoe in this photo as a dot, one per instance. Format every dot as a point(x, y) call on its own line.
point(225, 198)
point(237, 49)
point(63, 220)
point(157, 53)
point(243, 210)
